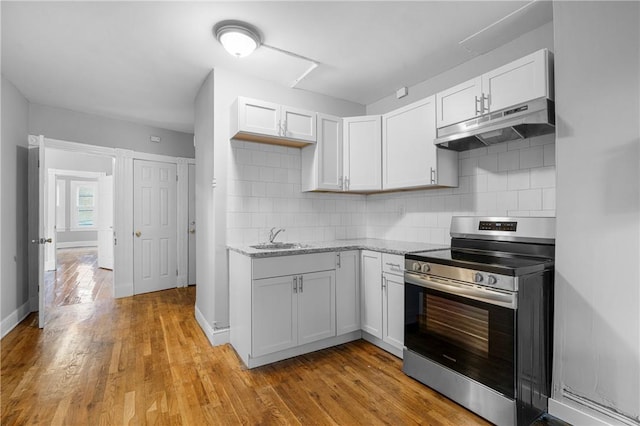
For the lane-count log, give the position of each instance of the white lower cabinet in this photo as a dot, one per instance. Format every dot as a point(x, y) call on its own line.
point(292, 310)
point(274, 325)
point(347, 291)
point(383, 300)
point(285, 306)
point(371, 293)
point(393, 310)
point(316, 306)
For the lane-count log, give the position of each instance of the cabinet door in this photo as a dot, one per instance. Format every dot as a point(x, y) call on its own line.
point(259, 117)
point(371, 293)
point(299, 124)
point(363, 152)
point(393, 310)
point(274, 326)
point(518, 81)
point(408, 152)
point(316, 306)
point(459, 103)
point(347, 291)
point(330, 153)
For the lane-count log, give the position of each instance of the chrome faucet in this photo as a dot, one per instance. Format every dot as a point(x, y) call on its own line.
point(273, 235)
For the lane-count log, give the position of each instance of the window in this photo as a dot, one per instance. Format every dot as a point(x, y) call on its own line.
point(84, 208)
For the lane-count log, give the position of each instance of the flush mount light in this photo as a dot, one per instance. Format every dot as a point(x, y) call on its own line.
point(238, 38)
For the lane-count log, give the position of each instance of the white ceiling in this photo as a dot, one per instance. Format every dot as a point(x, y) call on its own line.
point(145, 61)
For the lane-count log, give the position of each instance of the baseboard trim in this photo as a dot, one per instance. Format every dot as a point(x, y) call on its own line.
point(576, 416)
point(15, 317)
point(77, 244)
point(382, 344)
point(216, 337)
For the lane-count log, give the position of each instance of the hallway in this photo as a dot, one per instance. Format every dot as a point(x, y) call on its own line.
point(77, 279)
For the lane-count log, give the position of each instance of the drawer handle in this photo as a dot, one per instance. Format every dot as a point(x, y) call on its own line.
point(393, 265)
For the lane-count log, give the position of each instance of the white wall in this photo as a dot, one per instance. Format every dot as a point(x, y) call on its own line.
point(537, 39)
point(14, 288)
point(236, 174)
point(205, 211)
point(67, 125)
point(597, 332)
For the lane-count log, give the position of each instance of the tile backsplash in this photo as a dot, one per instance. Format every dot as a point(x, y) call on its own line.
point(507, 179)
point(264, 192)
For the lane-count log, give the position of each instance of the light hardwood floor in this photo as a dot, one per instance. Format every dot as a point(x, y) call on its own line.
point(144, 360)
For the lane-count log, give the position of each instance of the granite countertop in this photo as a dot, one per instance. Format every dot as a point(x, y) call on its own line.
point(384, 246)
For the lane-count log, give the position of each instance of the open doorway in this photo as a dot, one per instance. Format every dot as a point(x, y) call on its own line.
point(79, 217)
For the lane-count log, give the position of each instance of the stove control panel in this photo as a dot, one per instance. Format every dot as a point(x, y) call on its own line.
point(470, 276)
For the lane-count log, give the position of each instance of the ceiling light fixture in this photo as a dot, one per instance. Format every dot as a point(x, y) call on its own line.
point(241, 39)
point(238, 38)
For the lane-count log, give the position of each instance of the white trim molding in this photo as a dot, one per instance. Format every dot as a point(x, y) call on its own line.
point(580, 414)
point(216, 337)
point(123, 224)
point(182, 202)
point(15, 318)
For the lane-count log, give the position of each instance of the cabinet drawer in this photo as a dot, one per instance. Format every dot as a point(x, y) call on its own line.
point(292, 265)
point(393, 263)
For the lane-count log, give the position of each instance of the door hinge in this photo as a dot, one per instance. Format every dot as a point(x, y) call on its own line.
point(176, 178)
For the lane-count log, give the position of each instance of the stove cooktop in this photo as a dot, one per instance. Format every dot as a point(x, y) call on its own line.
point(488, 261)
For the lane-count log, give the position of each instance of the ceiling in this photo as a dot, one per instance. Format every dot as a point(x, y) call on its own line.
point(145, 61)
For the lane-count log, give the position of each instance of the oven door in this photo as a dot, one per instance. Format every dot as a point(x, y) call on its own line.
point(467, 328)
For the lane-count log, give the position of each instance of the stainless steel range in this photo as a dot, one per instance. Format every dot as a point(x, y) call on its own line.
point(479, 316)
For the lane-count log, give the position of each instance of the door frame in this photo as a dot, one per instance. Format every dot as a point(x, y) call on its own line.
point(123, 217)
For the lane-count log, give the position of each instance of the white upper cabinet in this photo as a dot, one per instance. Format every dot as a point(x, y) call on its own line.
point(298, 124)
point(322, 162)
point(267, 122)
point(525, 79)
point(259, 117)
point(362, 153)
point(460, 102)
point(409, 157)
point(518, 81)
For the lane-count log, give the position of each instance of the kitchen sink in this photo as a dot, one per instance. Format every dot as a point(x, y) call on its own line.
point(279, 246)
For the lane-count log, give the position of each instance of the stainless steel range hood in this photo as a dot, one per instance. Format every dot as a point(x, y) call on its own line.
point(533, 118)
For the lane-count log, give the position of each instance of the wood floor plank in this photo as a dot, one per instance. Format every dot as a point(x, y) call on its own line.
point(144, 360)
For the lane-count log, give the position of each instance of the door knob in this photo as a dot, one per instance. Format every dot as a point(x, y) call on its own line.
point(192, 231)
point(47, 240)
point(138, 233)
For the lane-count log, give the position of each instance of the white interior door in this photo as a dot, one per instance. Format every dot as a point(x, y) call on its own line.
point(50, 221)
point(36, 199)
point(105, 222)
point(155, 226)
point(191, 275)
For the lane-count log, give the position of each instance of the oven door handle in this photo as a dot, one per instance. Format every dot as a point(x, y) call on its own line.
point(481, 294)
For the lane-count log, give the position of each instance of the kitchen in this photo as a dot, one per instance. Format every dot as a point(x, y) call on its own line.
point(583, 192)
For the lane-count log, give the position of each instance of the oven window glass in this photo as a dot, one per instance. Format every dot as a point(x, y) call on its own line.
point(471, 337)
point(462, 324)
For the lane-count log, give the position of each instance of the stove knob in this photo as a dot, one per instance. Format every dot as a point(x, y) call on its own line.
point(415, 266)
point(426, 268)
point(491, 280)
point(478, 277)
